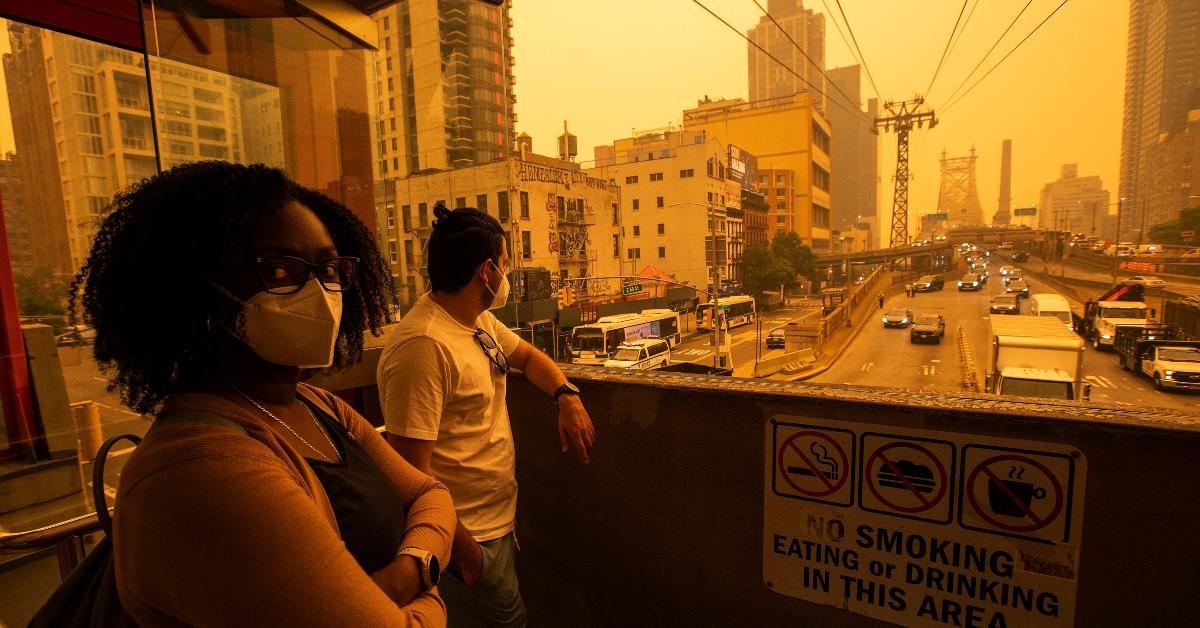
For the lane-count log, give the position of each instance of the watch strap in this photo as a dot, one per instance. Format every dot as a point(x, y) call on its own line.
point(566, 389)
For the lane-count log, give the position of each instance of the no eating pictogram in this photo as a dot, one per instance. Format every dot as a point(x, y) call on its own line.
point(814, 464)
point(907, 477)
point(1017, 493)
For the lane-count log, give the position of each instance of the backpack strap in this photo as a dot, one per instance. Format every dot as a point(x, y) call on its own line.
point(98, 497)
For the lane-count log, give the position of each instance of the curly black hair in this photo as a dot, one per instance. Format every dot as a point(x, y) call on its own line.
point(141, 287)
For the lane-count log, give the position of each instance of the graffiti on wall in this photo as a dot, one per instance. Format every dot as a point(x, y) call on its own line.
point(552, 210)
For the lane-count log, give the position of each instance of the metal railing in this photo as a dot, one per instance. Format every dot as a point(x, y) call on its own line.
point(65, 536)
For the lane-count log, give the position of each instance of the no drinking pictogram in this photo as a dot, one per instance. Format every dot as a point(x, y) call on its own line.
point(1025, 494)
point(907, 477)
point(814, 463)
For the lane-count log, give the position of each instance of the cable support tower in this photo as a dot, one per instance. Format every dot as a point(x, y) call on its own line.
point(855, 110)
point(903, 117)
point(861, 58)
point(802, 52)
point(946, 50)
point(988, 53)
point(1005, 57)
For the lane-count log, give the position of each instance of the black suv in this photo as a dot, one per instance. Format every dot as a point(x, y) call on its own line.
point(929, 283)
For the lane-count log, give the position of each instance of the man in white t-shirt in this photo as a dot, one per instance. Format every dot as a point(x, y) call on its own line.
point(442, 390)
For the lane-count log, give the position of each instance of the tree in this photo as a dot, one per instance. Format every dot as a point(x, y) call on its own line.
point(787, 246)
point(40, 293)
point(1168, 232)
point(763, 270)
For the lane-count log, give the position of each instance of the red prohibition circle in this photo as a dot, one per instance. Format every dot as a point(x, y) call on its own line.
point(1038, 524)
point(870, 479)
point(787, 477)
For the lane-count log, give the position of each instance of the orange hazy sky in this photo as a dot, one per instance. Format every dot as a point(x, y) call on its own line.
point(613, 66)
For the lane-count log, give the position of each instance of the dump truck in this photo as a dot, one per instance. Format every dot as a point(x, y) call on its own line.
point(1120, 305)
point(1035, 356)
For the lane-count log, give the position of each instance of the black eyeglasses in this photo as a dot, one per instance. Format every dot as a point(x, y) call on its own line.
point(492, 350)
point(284, 274)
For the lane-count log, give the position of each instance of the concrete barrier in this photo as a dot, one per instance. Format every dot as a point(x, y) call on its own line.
point(792, 359)
point(666, 526)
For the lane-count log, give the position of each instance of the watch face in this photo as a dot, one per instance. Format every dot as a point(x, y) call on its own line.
point(435, 570)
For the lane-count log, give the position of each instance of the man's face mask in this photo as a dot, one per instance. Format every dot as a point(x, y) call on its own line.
point(499, 295)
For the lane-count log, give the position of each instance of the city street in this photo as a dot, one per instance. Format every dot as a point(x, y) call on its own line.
point(884, 357)
point(696, 346)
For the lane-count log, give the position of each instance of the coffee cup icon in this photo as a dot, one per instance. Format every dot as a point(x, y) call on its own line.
point(1002, 501)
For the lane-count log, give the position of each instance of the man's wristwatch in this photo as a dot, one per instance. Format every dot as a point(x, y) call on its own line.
point(566, 389)
point(431, 569)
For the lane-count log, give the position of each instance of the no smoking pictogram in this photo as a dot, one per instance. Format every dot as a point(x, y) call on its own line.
point(1018, 493)
point(907, 477)
point(814, 464)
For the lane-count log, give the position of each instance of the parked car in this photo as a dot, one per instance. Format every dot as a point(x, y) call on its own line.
point(647, 353)
point(929, 283)
point(1149, 282)
point(969, 282)
point(1018, 287)
point(1005, 304)
point(775, 339)
point(927, 326)
point(897, 317)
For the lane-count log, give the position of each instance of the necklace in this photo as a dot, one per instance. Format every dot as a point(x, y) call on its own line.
point(288, 427)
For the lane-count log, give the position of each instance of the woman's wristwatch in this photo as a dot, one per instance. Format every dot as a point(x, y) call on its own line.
point(431, 569)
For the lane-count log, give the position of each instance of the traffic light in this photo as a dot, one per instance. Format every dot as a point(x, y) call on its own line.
point(566, 296)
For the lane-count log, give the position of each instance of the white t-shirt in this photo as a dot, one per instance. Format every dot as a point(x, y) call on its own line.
point(436, 383)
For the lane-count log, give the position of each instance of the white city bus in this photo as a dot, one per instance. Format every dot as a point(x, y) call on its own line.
point(595, 342)
point(738, 309)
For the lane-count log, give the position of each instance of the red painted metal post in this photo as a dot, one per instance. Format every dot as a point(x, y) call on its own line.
point(15, 393)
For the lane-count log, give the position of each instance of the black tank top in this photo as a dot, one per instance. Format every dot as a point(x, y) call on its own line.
point(369, 511)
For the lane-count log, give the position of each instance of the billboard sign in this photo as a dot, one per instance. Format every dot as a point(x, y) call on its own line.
point(1025, 211)
point(743, 168)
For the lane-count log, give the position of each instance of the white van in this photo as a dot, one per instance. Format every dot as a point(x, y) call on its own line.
point(1045, 304)
point(644, 354)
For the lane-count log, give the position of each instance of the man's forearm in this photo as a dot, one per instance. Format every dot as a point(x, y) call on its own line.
point(544, 373)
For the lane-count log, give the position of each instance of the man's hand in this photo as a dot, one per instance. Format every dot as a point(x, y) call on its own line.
point(575, 426)
point(400, 580)
point(467, 564)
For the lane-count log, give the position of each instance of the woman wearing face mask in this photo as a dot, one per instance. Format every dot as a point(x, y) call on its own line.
point(254, 499)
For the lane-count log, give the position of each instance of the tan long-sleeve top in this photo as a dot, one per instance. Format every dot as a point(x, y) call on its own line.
point(214, 527)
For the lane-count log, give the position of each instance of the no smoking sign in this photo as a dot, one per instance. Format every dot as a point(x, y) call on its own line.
point(814, 463)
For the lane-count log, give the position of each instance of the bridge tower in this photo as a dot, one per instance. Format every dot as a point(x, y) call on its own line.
point(903, 115)
point(958, 196)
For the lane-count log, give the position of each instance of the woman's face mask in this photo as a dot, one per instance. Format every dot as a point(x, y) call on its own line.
point(298, 329)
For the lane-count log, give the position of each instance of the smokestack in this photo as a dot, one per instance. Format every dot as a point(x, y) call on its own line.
point(1002, 213)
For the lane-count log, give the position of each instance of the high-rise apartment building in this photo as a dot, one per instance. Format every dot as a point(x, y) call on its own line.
point(855, 154)
point(17, 218)
point(84, 125)
point(1074, 203)
point(1162, 89)
point(768, 79)
point(787, 134)
point(443, 86)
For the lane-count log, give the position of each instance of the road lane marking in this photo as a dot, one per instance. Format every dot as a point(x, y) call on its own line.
point(867, 366)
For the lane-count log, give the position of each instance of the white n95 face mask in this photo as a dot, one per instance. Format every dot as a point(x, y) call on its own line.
point(500, 295)
point(298, 329)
